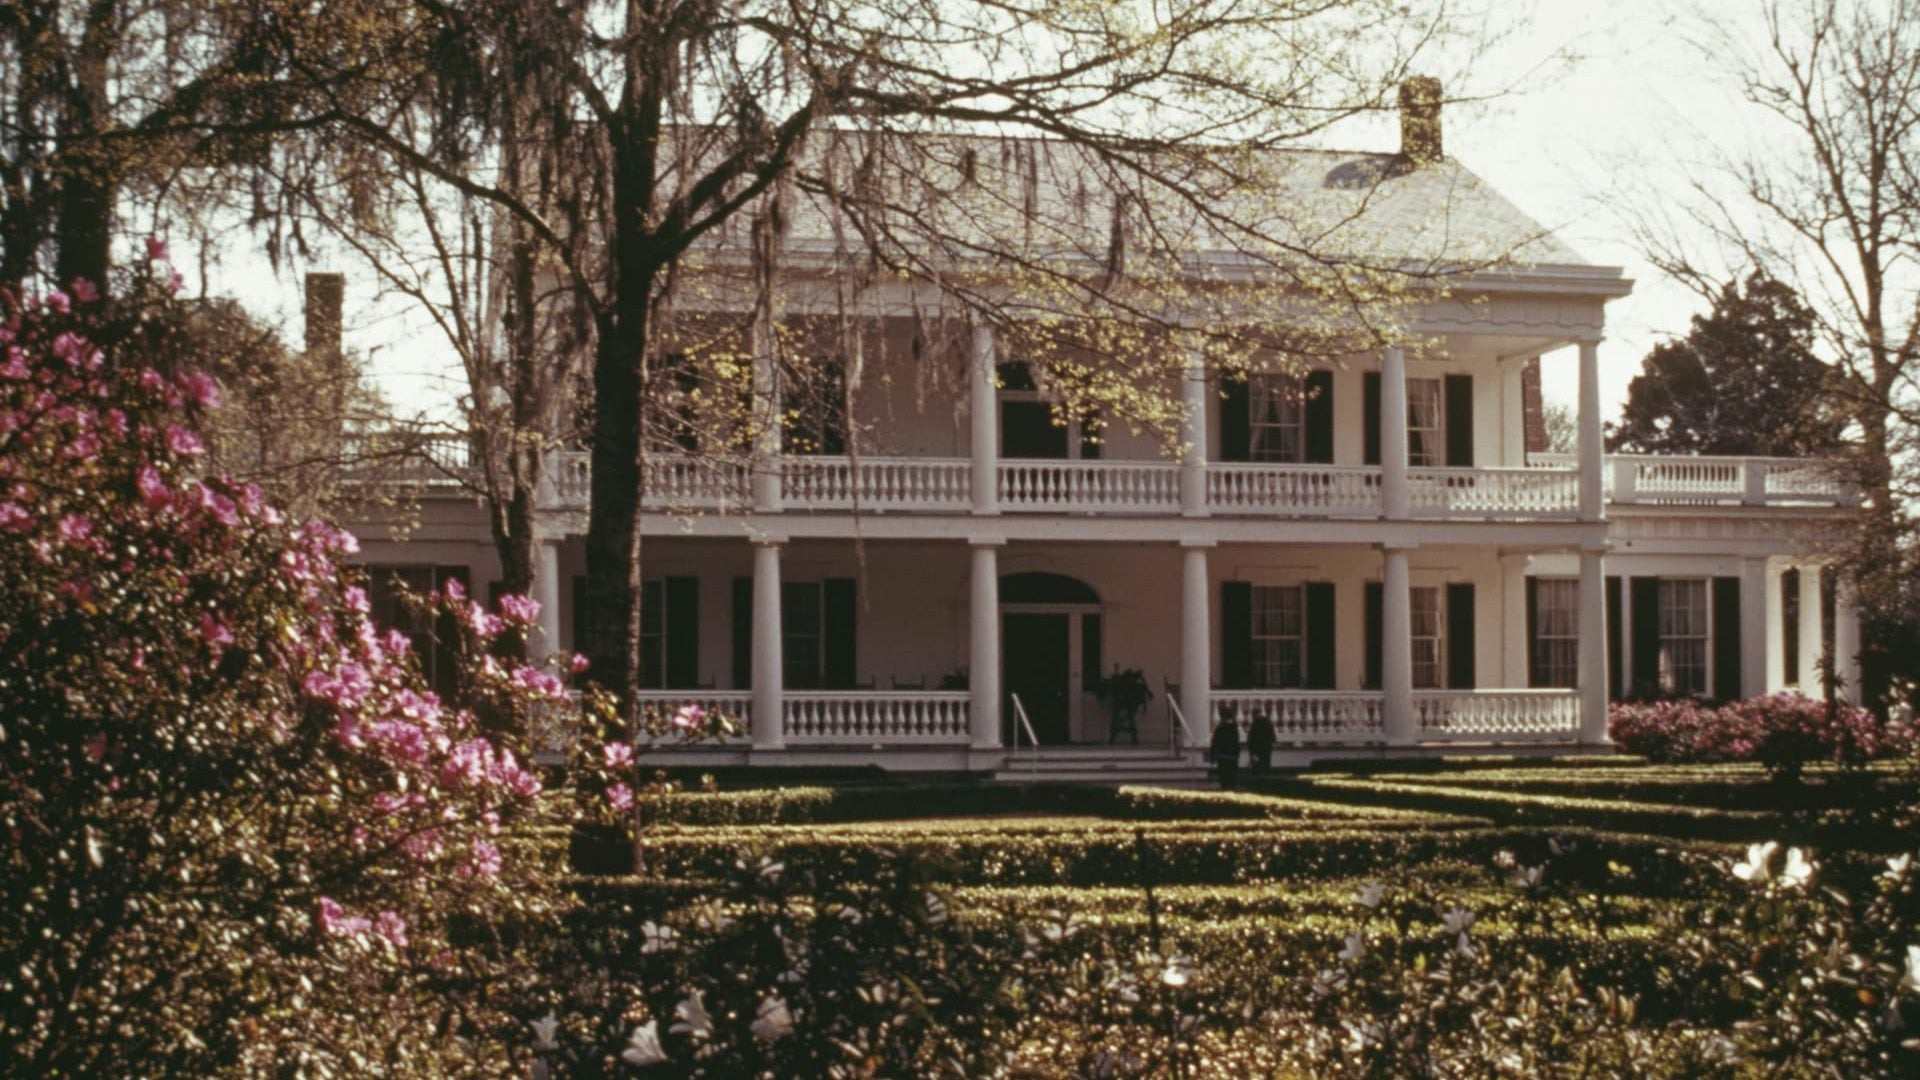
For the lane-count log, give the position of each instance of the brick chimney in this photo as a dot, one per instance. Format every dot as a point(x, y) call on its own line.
point(325, 293)
point(1420, 121)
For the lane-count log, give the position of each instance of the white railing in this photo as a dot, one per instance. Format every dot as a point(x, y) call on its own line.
point(1180, 734)
point(1496, 715)
point(688, 483)
point(1308, 715)
point(876, 717)
point(1020, 724)
point(1678, 480)
point(1493, 493)
point(737, 704)
point(1306, 490)
point(1072, 487)
point(878, 483)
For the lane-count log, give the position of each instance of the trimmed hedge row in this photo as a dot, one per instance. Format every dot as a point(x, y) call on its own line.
point(1756, 794)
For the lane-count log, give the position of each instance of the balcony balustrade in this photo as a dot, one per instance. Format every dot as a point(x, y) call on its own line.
point(1358, 716)
point(1547, 489)
point(876, 718)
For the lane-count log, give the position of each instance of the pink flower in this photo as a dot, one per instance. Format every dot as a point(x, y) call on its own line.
point(335, 920)
point(689, 716)
point(156, 249)
point(74, 528)
point(215, 632)
point(520, 609)
point(391, 926)
point(618, 754)
point(543, 683)
point(455, 591)
point(60, 302)
point(184, 442)
point(96, 748)
point(84, 291)
point(355, 599)
point(577, 664)
point(202, 389)
point(484, 861)
point(15, 517)
point(620, 796)
point(153, 489)
point(485, 624)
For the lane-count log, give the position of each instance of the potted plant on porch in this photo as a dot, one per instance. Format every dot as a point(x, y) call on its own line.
point(1125, 693)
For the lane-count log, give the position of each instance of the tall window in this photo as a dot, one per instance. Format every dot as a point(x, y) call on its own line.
point(1426, 423)
point(801, 614)
point(1279, 635)
point(1429, 668)
point(1683, 635)
point(1556, 631)
point(1278, 419)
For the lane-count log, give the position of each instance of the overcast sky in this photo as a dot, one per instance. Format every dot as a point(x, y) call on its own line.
point(1629, 102)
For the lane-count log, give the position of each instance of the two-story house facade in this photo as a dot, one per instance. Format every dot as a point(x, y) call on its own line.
point(1368, 553)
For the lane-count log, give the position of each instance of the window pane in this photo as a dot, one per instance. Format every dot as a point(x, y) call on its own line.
point(1426, 421)
point(1427, 665)
point(1276, 414)
point(1278, 643)
point(1683, 635)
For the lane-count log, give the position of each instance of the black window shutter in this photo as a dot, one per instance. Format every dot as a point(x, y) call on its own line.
point(1829, 600)
point(1790, 625)
point(743, 633)
point(1460, 635)
point(1370, 415)
point(1236, 420)
point(1320, 640)
point(683, 632)
point(1376, 615)
point(1614, 642)
point(581, 641)
point(1533, 631)
point(1319, 418)
point(1646, 636)
point(1236, 634)
point(1460, 421)
point(838, 659)
point(1726, 638)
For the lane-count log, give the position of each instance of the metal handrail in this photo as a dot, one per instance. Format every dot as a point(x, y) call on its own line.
point(1176, 730)
point(1033, 740)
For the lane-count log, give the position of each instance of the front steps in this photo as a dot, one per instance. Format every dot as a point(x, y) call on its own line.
point(1103, 765)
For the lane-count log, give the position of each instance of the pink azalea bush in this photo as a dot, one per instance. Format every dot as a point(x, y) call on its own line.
point(1782, 731)
point(238, 826)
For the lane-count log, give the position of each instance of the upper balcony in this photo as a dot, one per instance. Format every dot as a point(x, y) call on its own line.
point(1547, 490)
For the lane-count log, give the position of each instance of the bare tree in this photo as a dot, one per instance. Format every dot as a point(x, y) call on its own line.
point(1096, 181)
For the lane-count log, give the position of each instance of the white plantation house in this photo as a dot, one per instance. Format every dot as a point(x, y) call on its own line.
point(1385, 563)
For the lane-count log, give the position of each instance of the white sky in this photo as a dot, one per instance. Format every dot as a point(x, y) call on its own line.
point(1630, 103)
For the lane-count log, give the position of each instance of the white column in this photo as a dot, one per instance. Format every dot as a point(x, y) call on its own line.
point(1592, 489)
point(1193, 455)
point(769, 704)
point(1393, 433)
point(1513, 620)
point(1513, 419)
point(1593, 649)
point(546, 590)
point(983, 654)
point(984, 401)
point(1759, 622)
point(1396, 642)
point(1846, 640)
point(1196, 644)
point(766, 421)
point(1809, 673)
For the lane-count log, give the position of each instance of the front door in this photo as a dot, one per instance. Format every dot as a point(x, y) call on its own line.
point(1035, 649)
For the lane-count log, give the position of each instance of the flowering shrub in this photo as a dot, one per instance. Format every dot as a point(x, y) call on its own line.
point(238, 826)
point(1782, 731)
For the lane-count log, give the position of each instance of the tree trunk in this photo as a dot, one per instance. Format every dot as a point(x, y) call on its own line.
point(86, 175)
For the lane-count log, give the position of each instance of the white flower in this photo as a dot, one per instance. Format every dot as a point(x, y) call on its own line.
point(710, 916)
point(1554, 845)
point(936, 910)
point(1798, 871)
point(1456, 921)
point(1528, 877)
point(1354, 949)
point(690, 1017)
point(1912, 979)
point(544, 1030)
point(1178, 970)
point(1897, 868)
point(643, 1046)
point(656, 938)
point(1059, 927)
point(1329, 981)
point(1371, 896)
point(1465, 947)
point(1505, 859)
point(772, 1020)
point(1754, 870)
point(1362, 1035)
point(768, 870)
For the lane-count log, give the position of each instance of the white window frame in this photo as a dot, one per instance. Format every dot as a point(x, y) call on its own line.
point(1271, 635)
point(1429, 650)
point(1426, 442)
point(1685, 633)
point(1276, 419)
point(1556, 631)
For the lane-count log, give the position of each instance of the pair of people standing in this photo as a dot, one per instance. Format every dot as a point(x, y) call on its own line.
point(1226, 745)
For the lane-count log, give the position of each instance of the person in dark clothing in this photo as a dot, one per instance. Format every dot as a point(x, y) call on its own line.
point(1226, 748)
point(1260, 745)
